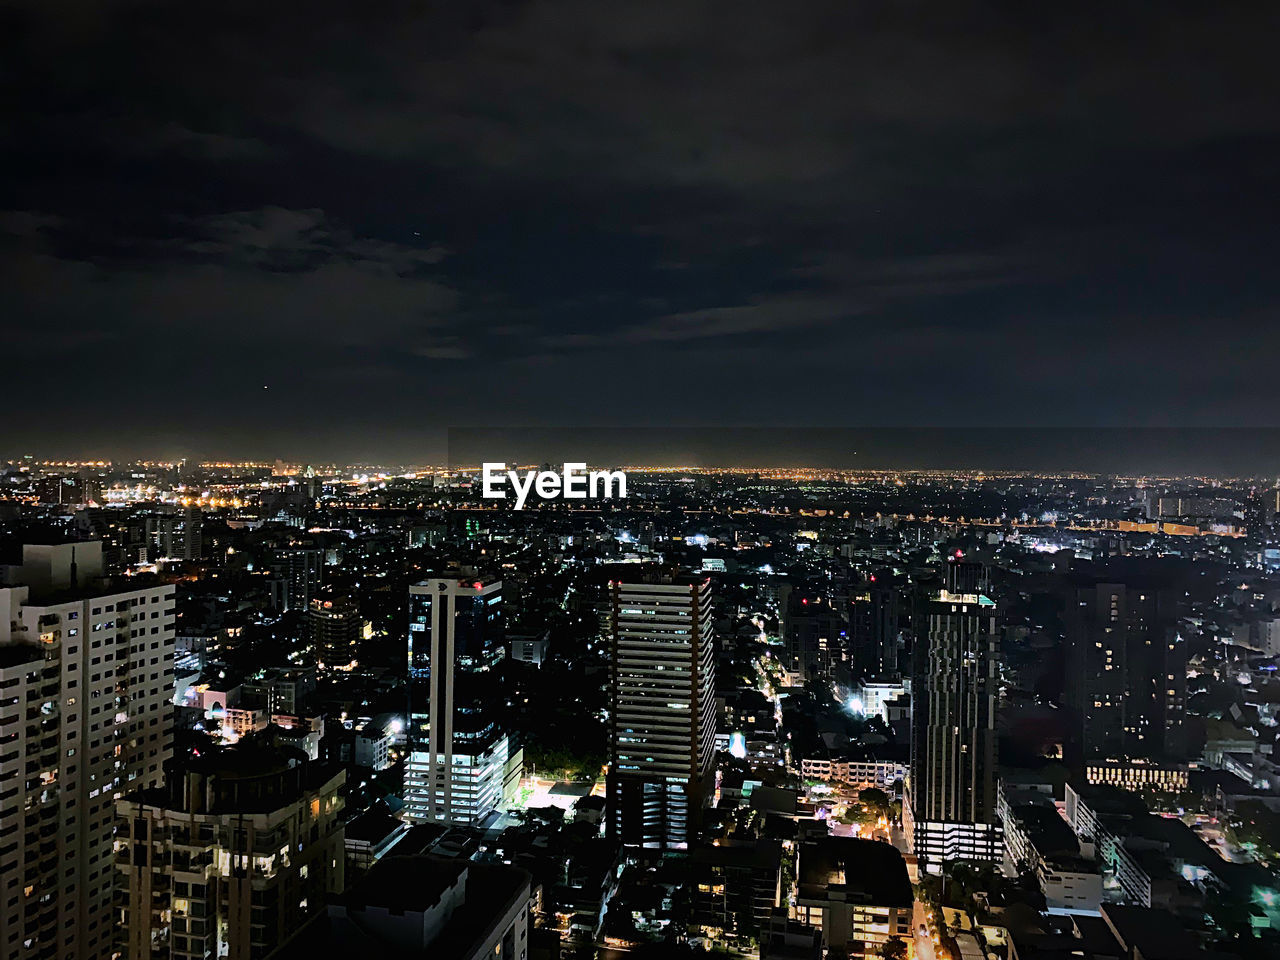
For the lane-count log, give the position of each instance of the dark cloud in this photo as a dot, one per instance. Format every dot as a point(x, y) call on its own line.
point(814, 213)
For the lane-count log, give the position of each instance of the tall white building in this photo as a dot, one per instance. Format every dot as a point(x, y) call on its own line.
point(662, 717)
point(461, 764)
point(86, 714)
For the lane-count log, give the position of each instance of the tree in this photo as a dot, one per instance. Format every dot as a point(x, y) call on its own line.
point(895, 948)
point(875, 800)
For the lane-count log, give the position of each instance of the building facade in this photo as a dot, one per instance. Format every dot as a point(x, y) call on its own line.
point(662, 716)
point(232, 859)
point(298, 572)
point(86, 714)
point(1125, 684)
point(461, 765)
point(856, 891)
point(333, 627)
point(950, 806)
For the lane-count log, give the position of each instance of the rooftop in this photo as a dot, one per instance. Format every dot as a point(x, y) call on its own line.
point(869, 871)
point(406, 884)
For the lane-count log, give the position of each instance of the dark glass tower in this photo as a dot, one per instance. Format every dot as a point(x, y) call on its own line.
point(950, 808)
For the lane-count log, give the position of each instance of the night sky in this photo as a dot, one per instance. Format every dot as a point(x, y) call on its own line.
point(400, 217)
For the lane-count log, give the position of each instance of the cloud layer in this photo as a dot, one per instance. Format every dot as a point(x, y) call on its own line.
point(731, 213)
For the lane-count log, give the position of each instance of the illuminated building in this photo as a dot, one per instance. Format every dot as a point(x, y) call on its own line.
point(333, 626)
point(232, 858)
point(815, 634)
point(1125, 684)
point(736, 884)
point(856, 891)
point(460, 765)
point(662, 721)
point(950, 807)
point(881, 774)
point(1139, 774)
point(872, 696)
point(86, 669)
point(177, 537)
point(297, 571)
point(1038, 840)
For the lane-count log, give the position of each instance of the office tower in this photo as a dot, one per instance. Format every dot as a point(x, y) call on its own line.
point(1126, 675)
point(873, 629)
point(461, 764)
point(662, 716)
point(232, 858)
point(333, 627)
point(298, 570)
point(86, 713)
point(950, 807)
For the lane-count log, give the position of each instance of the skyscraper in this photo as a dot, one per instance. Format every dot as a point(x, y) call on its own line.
point(86, 669)
point(461, 763)
point(873, 629)
point(1126, 676)
point(333, 627)
point(662, 719)
point(950, 808)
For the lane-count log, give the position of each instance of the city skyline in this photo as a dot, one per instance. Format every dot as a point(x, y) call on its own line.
point(615, 480)
point(1225, 452)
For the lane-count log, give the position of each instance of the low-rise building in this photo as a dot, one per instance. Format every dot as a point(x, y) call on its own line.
point(369, 838)
point(857, 891)
point(861, 773)
point(736, 885)
point(1039, 840)
point(425, 906)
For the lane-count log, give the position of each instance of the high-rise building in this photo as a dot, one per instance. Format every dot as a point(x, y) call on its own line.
point(231, 859)
point(662, 716)
point(333, 627)
point(123, 537)
point(950, 807)
point(298, 569)
point(873, 629)
point(1126, 665)
point(461, 764)
point(815, 632)
point(86, 713)
point(178, 536)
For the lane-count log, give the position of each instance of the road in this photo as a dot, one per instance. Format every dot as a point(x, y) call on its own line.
point(924, 944)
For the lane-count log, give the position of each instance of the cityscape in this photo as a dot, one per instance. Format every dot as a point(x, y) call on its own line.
point(610, 479)
point(281, 709)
